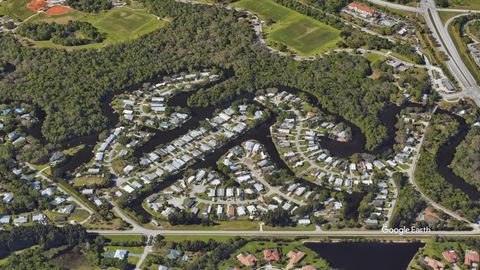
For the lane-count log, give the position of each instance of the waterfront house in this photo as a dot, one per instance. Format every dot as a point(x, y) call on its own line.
point(434, 264)
point(294, 256)
point(450, 255)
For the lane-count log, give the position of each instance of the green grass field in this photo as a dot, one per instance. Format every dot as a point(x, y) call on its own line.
point(300, 33)
point(88, 181)
point(375, 58)
point(464, 4)
point(120, 24)
point(16, 9)
point(124, 237)
point(446, 15)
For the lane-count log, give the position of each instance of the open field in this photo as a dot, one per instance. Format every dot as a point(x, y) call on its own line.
point(124, 237)
point(375, 58)
point(73, 259)
point(464, 4)
point(300, 33)
point(221, 226)
point(446, 15)
point(16, 9)
point(120, 24)
point(88, 181)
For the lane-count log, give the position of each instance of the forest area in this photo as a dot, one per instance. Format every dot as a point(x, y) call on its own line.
point(466, 163)
point(429, 180)
point(69, 86)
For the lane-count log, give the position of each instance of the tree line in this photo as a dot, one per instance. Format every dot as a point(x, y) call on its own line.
point(47, 236)
point(62, 34)
point(69, 86)
point(91, 6)
point(442, 128)
point(466, 162)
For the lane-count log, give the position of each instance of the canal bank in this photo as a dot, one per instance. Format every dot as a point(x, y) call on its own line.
point(366, 255)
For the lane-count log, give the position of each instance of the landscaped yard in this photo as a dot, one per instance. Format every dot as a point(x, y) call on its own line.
point(256, 248)
point(78, 215)
point(120, 24)
point(300, 33)
point(16, 9)
point(134, 252)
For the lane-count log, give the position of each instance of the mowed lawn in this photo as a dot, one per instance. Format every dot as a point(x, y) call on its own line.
point(124, 23)
point(300, 33)
point(120, 24)
point(465, 4)
point(16, 9)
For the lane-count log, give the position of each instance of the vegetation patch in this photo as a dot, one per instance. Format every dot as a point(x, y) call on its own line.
point(301, 33)
point(89, 181)
point(461, 4)
point(474, 29)
point(118, 25)
point(16, 9)
point(89, 5)
point(73, 33)
point(460, 39)
point(429, 180)
point(466, 163)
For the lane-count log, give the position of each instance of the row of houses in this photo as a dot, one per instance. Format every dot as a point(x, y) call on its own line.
point(194, 145)
point(270, 256)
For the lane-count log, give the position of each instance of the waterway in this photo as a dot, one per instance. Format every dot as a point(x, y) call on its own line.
point(445, 156)
point(260, 133)
point(366, 255)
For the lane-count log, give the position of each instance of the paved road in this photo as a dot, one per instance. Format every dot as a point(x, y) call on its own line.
point(78, 202)
point(145, 253)
point(455, 63)
point(286, 233)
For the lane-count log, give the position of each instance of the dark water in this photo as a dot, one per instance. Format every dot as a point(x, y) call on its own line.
point(260, 133)
point(445, 156)
point(84, 155)
point(366, 256)
point(388, 117)
point(8, 68)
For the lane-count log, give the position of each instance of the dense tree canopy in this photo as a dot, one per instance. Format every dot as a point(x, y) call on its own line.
point(466, 163)
point(47, 236)
point(429, 180)
point(69, 86)
point(63, 34)
point(89, 5)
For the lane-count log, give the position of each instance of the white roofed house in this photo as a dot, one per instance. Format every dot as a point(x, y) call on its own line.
point(7, 197)
point(127, 169)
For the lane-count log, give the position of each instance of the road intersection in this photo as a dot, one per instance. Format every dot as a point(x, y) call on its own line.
point(455, 63)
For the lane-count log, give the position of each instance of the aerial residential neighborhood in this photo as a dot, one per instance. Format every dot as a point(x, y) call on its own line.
point(240, 134)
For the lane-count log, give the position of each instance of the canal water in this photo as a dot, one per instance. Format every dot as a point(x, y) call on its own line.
point(446, 154)
point(388, 117)
point(366, 255)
